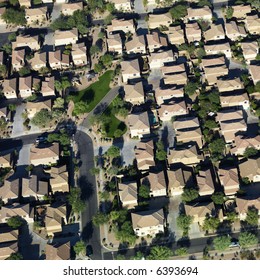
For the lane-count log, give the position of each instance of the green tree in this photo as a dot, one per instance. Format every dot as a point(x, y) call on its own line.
point(12, 107)
point(101, 34)
point(138, 256)
point(189, 195)
point(110, 7)
point(190, 88)
point(12, 37)
point(118, 133)
point(210, 124)
point(14, 2)
point(229, 12)
point(7, 48)
point(160, 253)
point(94, 171)
point(44, 70)
point(160, 152)
point(221, 243)
point(98, 67)
point(211, 224)
point(217, 146)
point(184, 222)
point(250, 152)
point(106, 59)
point(59, 103)
point(94, 50)
point(100, 219)
point(203, 3)
point(126, 233)
point(2, 70)
point(15, 256)
point(42, 118)
point(231, 216)
point(181, 251)
point(218, 198)
point(74, 199)
point(80, 248)
point(24, 71)
point(247, 239)
point(252, 216)
point(14, 16)
point(108, 19)
point(144, 191)
point(113, 152)
point(15, 222)
point(80, 107)
point(178, 12)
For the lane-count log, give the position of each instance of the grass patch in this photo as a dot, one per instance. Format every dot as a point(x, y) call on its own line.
point(93, 94)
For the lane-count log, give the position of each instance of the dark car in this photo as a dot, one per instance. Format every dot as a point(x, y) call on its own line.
point(89, 251)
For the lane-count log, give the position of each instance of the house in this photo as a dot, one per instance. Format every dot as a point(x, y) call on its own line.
point(166, 94)
point(250, 50)
point(214, 33)
point(65, 37)
point(157, 20)
point(144, 155)
point(79, 54)
point(176, 79)
point(205, 182)
point(122, 5)
point(139, 124)
point(208, 61)
point(213, 69)
point(9, 88)
point(175, 35)
point(36, 16)
point(173, 69)
point(23, 210)
point(149, 222)
point(8, 234)
point(130, 70)
point(44, 156)
point(121, 25)
point(136, 45)
point(179, 179)
point(7, 249)
point(59, 181)
point(254, 71)
point(6, 160)
point(58, 251)
point(67, 9)
point(235, 100)
point(32, 108)
point(245, 203)
point(56, 217)
point(18, 59)
point(157, 60)
point(229, 180)
point(27, 41)
point(176, 107)
point(10, 190)
point(128, 194)
point(114, 44)
point(192, 32)
point(186, 123)
point(58, 60)
point(25, 86)
point(48, 88)
point(187, 155)
point(33, 188)
point(25, 3)
point(250, 169)
point(38, 61)
point(229, 84)
point(234, 31)
point(200, 211)
point(252, 24)
point(134, 94)
point(156, 183)
point(243, 142)
point(215, 49)
point(155, 41)
point(188, 135)
point(241, 11)
point(203, 13)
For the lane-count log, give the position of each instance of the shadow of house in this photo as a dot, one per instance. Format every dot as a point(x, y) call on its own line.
point(87, 232)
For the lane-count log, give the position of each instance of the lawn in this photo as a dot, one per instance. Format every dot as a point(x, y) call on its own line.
point(94, 93)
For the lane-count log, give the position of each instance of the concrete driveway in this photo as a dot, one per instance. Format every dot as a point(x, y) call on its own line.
point(18, 128)
point(172, 216)
point(167, 134)
point(155, 78)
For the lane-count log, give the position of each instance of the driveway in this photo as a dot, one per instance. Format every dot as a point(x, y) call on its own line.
point(18, 129)
point(172, 216)
point(155, 78)
point(56, 12)
point(167, 134)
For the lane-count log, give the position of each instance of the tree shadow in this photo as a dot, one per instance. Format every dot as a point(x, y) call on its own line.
point(88, 95)
point(100, 108)
point(86, 188)
point(184, 242)
point(87, 232)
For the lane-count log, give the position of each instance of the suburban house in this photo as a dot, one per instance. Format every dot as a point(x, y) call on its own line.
point(250, 50)
point(139, 124)
point(179, 179)
point(156, 182)
point(193, 32)
point(234, 31)
point(10, 190)
point(8, 234)
point(235, 100)
point(130, 70)
point(44, 156)
point(79, 54)
point(186, 123)
point(134, 93)
point(187, 155)
point(23, 41)
point(241, 11)
point(200, 211)
point(18, 59)
point(121, 25)
point(149, 222)
point(176, 107)
point(58, 60)
point(204, 13)
point(65, 37)
point(59, 181)
point(242, 142)
point(136, 45)
point(252, 24)
point(157, 60)
point(214, 33)
point(6, 160)
point(36, 16)
point(250, 169)
point(114, 44)
point(155, 41)
point(215, 49)
point(173, 69)
point(166, 94)
point(254, 71)
point(10, 88)
point(156, 20)
point(188, 135)
point(38, 61)
point(58, 251)
point(22, 210)
point(25, 86)
point(175, 35)
point(122, 5)
point(67, 9)
point(213, 73)
point(208, 61)
point(229, 180)
point(245, 203)
point(205, 182)
point(7, 249)
point(226, 84)
point(128, 194)
point(32, 108)
point(176, 79)
point(144, 155)
point(48, 88)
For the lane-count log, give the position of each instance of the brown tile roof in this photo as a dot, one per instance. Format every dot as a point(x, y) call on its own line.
point(247, 202)
point(185, 123)
point(41, 153)
point(130, 66)
point(200, 209)
point(8, 234)
point(138, 121)
point(147, 218)
point(156, 181)
point(250, 168)
point(127, 191)
point(205, 181)
point(58, 251)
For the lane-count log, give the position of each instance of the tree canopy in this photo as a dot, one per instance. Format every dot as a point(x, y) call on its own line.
point(15, 256)
point(179, 11)
point(160, 152)
point(160, 253)
point(221, 243)
point(211, 224)
point(189, 195)
point(113, 152)
point(100, 219)
point(250, 152)
point(42, 118)
point(144, 191)
point(74, 199)
point(247, 239)
point(218, 198)
point(80, 248)
point(15, 222)
point(184, 222)
point(252, 216)
point(125, 233)
point(14, 16)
